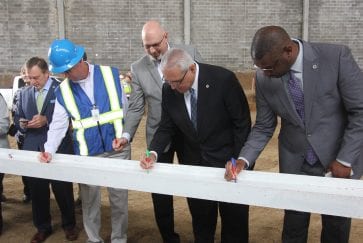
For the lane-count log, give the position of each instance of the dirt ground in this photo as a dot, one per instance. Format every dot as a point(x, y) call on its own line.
point(265, 223)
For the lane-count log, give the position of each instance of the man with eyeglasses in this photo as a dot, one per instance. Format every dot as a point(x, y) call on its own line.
point(316, 89)
point(34, 112)
point(146, 88)
point(207, 104)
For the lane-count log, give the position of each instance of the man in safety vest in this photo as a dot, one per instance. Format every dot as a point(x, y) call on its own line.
point(96, 120)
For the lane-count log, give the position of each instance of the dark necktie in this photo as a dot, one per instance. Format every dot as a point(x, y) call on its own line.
point(297, 97)
point(193, 108)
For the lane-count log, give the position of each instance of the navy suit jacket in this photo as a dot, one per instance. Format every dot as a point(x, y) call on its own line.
point(26, 108)
point(223, 119)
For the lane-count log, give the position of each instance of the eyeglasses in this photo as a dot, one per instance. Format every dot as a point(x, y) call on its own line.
point(176, 82)
point(262, 69)
point(268, 69)
point(156, 45)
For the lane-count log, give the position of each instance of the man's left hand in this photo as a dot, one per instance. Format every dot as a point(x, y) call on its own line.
point(339, 170)
point(38, 121)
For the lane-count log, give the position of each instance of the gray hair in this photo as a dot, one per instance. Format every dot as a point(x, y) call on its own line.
point(175, 57)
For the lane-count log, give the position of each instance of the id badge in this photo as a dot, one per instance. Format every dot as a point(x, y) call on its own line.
point(95, 113)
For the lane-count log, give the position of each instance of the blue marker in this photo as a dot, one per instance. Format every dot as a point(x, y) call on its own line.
point(234, 169)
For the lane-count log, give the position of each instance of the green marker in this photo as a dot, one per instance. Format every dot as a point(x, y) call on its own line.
point(147, 158)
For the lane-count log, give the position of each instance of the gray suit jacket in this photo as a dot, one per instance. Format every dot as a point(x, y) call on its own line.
point(333, 94)
point(4, 123)
point(146, 88)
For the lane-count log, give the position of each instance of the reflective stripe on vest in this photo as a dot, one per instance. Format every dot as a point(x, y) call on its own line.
point(70, 103)
point(107, 117)
point(115, 105)
point(114, 116)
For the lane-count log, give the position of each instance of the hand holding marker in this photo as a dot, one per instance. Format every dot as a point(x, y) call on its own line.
point(147, 159)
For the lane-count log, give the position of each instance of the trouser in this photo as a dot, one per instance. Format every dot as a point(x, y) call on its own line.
point(164, 208)
point(26, 183)
point(335, 229)
point(63, 193)
point(1, 219)
point(91, 208)
point(234, 221)
point(1, 183)
point(296, 226)
point(1, 193)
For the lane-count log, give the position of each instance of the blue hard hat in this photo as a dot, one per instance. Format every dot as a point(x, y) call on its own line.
point(63, 55)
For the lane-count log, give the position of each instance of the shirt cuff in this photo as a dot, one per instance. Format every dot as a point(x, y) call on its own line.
point(156, 155)
point(127, 136)
point(344, 163)
point(246, 161)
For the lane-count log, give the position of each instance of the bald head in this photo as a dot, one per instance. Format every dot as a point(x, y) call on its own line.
point(154, 39)
point(268, 39)
point(152, 28)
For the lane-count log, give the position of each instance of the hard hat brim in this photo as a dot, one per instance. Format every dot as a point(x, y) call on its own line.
point(72, 63)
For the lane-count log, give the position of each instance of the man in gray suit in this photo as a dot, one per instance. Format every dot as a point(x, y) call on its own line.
point(146, 87)
point(317, 90)
point(4, 143)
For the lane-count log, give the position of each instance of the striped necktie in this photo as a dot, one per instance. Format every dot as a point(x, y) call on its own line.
point(297, 97)
point(193, 108)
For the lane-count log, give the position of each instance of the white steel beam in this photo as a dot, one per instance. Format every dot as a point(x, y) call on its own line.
point(342, 197)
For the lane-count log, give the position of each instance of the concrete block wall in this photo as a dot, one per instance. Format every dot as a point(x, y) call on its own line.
point(26, 29)
point(221, 29)
point(338, 21)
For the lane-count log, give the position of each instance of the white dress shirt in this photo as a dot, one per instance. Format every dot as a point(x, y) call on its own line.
point(45, 89)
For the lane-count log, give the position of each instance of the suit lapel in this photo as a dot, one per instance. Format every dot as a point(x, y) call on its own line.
point(183, 109)
point(48, 97)
point(32, 101)
point(311, 77)
point(205, 87)
point(279, 91)
point(152, 68)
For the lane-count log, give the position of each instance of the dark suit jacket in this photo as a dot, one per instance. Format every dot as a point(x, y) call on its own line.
point(26, 108)
point(223, 119)
point(333, 88)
